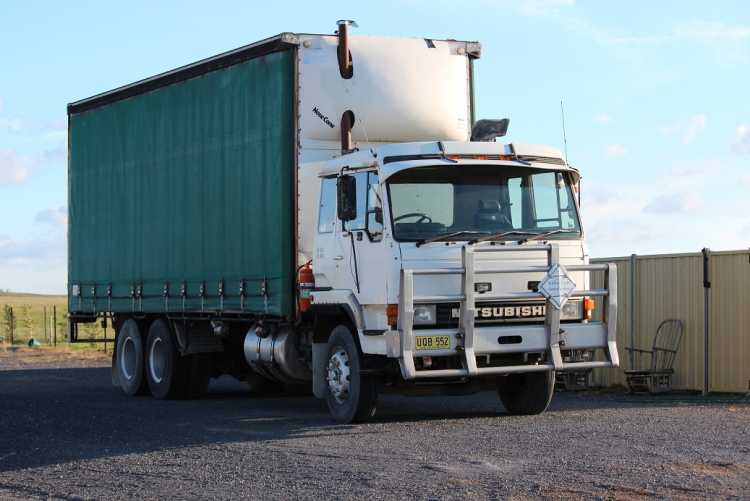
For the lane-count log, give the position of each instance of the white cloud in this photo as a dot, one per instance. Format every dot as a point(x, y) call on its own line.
point(11, 124)
point(615, 151)
point(704, 31)
point(34, 265)
point(741, 142)
point(603, 118)
point(728, 42)
point(55, 217)
point(687, 130)
point(14, 169)
point(671, 203)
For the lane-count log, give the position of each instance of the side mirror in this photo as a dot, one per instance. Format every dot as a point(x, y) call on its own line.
point(346, 192)
point(379, 215)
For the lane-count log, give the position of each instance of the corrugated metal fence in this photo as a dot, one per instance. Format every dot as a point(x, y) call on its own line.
point(658, 287)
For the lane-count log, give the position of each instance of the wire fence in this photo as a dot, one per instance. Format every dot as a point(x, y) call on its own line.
point(43, 325)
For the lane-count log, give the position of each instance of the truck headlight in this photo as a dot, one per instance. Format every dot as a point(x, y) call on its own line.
point(573, 310)
point(425, 314)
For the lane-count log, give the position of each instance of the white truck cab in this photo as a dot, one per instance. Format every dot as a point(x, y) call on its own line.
point(439, 255)
point(462, 260)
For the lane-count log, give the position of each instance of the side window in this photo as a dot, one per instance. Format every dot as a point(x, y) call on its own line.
point(374, 208)
point(515, 193)
point(546, 202)
point(327, 210)
point(567, 208)
point(358, 223)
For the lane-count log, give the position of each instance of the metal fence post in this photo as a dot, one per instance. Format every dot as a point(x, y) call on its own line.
point(12, 325)
point(54, 325)
point(633, 299)
point(706, 316)
point(44, 324)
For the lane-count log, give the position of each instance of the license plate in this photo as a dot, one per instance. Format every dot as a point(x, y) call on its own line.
point(433, 343)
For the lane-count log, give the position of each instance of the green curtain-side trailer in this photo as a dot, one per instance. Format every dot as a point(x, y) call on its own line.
point(181, 191)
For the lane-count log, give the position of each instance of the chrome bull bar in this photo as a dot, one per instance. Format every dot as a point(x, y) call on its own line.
point(466, 321)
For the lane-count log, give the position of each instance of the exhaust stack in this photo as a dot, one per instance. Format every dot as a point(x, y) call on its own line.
point(346, 67)
point(347, 123)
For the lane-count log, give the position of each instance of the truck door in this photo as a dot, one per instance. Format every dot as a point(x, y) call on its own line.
point(329, 249)
point(365, 234)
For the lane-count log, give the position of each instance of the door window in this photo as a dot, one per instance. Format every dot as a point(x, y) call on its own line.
point(368, 206)
point(374, 208)
point(327, 209)
point(358, 223)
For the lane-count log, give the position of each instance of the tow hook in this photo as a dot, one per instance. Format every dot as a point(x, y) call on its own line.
point(459, 338)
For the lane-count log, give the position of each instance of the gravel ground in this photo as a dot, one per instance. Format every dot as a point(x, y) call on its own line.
point(66, 433)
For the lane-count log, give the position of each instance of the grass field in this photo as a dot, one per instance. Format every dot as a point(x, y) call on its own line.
point(29, 321)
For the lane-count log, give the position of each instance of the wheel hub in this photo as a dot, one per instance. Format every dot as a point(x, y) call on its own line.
point(157, 361)
point(339, 375)
point(128, 359)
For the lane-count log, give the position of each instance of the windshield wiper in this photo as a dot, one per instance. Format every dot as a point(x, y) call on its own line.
point(445, 236)
point(501, 235)
point(538, 236)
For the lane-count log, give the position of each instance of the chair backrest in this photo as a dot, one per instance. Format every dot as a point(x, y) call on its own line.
point(666, 344)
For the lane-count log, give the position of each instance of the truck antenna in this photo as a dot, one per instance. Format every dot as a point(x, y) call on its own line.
point(565, 136)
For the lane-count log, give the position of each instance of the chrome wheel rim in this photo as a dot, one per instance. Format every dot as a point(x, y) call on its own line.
point(128, 358)
point(339, 375)
point(157, 358)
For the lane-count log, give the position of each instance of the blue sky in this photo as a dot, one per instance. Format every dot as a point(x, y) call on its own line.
point(656, 99)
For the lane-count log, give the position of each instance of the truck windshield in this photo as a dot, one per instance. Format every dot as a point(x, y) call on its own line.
point(472, 201)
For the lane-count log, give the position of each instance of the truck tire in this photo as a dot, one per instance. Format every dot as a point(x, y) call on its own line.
point(351, 396)
point(527, 393)
point(166, 371)
point(128, 370)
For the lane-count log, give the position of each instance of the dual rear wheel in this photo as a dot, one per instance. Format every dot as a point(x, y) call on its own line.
point(156, 366)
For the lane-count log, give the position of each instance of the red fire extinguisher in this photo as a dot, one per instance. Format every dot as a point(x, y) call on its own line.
point(305, 285)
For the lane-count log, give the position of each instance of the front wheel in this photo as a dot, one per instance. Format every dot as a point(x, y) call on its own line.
point(527, 393)
point(351, 396)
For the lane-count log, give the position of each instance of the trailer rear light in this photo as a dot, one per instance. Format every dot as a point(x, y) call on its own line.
point(589, 305)
point(391, 312)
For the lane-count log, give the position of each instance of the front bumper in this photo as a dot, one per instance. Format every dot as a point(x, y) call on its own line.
point(472, 344)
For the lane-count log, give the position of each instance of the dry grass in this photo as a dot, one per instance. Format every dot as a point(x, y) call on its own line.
point(18, 358)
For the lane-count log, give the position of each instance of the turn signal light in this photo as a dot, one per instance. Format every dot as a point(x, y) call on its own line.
point(589, 305)
point(481, 157)
point(391, 312)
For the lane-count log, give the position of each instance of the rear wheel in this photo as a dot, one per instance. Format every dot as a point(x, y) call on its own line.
point(127, 368)
point(351, 396)
point(526, 393)
point(166, 371)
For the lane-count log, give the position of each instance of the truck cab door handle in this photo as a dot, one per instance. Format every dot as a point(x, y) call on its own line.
point(338, 258)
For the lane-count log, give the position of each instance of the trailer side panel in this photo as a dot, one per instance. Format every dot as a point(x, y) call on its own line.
point(187, 190)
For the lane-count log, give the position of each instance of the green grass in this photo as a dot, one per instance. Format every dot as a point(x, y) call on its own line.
point(29, 315)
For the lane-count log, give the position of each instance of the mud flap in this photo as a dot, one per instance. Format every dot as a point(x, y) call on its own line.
point(319, 355)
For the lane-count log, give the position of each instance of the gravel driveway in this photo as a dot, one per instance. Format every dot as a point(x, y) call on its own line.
point(66, 433)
